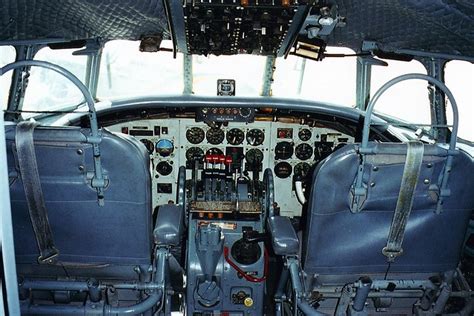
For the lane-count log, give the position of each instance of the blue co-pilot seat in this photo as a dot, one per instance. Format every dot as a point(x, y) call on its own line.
point(340, 241)
point(106, 241)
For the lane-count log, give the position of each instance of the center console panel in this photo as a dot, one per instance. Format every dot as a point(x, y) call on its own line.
point(226, 259)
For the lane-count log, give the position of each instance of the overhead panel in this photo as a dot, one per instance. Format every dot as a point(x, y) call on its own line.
point(228, 27)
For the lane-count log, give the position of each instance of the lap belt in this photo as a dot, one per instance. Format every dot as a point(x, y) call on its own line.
point(34, 194)
point(411, 172)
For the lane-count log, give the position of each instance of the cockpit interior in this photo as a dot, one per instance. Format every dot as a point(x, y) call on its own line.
point(237, 157)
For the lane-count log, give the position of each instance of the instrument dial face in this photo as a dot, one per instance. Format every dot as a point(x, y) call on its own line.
point(303, 151)
point(282, 170)
point(150, 146)
point(255, 137)
point(283, 150)
point(215, 136)
point(164, 147)
point(245, 112)
point(322, 150)
point(214, 151)
point(194, 153)
point(195, 135)
point(164, 168)
point(254, 156)
point(235, 136)
point(302, 169)
point(305, 134)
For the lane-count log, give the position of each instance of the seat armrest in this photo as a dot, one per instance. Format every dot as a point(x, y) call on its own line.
point(284, 239)
point(169, 225)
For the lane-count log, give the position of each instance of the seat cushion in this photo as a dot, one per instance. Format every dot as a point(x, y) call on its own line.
point(84, 232)
point(338, 241)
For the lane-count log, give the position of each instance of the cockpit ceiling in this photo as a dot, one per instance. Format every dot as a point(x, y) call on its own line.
point(440, 26)
point(424, 25)
point(81, 19)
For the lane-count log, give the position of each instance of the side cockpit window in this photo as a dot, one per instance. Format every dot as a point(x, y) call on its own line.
point(48, 90)
point(406, 101)
point(7, 55)
point(459, 77)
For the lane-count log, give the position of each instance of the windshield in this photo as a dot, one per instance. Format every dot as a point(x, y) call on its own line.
point(48, 90)
point(127, 72)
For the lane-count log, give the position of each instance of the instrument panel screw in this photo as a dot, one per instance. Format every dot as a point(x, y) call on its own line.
point(81, 168)
point(80, 151)
point(426, 181)
point(375, 168)
point(372, 184)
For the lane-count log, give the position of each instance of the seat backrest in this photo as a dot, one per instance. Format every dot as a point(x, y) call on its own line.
point(338, 241)
point(118, 233)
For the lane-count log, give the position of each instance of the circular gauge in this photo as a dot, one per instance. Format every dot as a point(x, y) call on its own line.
point(164, 147)
point(245, 112)
point(214, 151)
point(215, 136)
point(322, 150)
point(254, 156)
point(193, 153)
point(255, 137)
point(150, 146)
point(235, 136)
point(164, 168)
point(283, 150)
point(302, 169)
point(195, 135)
point(282, 170)
point(305, 134)
point(303, 151)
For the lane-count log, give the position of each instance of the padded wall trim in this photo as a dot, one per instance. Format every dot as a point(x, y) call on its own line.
point(439, 26)
point(79, 19)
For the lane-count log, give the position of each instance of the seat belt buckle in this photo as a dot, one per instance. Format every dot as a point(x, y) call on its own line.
point(391, 254)
point(48, 256)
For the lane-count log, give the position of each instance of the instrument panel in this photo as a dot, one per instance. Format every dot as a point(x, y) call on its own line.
point(289, 149)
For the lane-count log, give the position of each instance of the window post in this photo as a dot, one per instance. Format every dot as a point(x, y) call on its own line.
point(435, 68)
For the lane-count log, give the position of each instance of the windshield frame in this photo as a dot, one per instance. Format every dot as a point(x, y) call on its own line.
point(93, 50)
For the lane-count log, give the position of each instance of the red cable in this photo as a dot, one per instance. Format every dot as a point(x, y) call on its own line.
point(249, 278)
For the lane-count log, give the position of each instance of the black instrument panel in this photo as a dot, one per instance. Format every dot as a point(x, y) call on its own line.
point(225, 114)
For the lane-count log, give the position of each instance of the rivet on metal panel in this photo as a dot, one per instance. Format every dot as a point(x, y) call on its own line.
point(81, 168)
point(80, 151)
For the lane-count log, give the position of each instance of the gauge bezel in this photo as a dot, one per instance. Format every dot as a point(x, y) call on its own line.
point(299, 166)
point(307, 148)
point(241, 136)
point(260, 139)
point(164, 162)
point(210, 136)
point(302, 131)
point(193, 148)
point(288, 155)
point(253, 150)
point(159, 150)
point(201, 132)
point(146, 142)
point(286, 164)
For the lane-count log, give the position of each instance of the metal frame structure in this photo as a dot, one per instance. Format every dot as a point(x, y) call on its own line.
point(6, 237)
